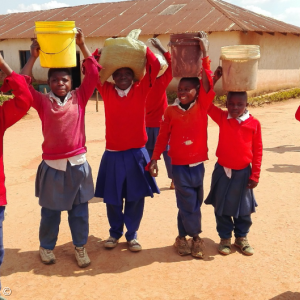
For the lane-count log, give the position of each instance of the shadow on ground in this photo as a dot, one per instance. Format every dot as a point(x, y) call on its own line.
point(284, 148)
point(287, 296)
point(278, 168)
point(116, 260)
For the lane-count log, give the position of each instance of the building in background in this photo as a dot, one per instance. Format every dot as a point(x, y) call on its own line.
point(226, 24)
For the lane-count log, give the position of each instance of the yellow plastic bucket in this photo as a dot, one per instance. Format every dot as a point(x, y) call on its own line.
point(57, 43)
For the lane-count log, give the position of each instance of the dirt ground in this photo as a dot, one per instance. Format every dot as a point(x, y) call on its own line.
point(157, 272)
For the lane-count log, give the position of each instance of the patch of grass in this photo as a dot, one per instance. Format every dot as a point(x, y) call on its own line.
point(171, 97)
point(4, 98)
point(264, 99)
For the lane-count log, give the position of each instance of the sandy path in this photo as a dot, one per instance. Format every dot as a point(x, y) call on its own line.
point(158, 272)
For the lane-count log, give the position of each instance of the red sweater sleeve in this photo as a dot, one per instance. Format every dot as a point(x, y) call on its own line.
point(163, 136)
point(205, 99)
point(152, 69)
point(257, 149)
point(167, 76)
point(13, 110)
point(90, 68)
point(297, 115)
point(215, 113)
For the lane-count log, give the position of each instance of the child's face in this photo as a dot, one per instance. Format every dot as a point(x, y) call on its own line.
point(60, 83)
point(236, 105)
point(186, 92)
point(123, 78)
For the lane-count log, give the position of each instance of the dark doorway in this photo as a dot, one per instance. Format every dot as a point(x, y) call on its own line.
point(76, 73)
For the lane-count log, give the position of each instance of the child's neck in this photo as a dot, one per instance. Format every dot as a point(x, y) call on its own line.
point(186, 106)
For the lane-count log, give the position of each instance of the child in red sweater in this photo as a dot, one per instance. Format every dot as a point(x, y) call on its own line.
point(236, 173)
point(11, 112)
point(122, 169)
point(184, 126)
point(64, 179)
point(156, 104)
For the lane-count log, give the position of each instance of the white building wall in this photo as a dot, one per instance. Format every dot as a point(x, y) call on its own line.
point(279, 66)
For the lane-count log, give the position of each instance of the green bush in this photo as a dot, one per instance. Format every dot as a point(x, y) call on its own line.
point(171, 97)
point(4, 98)
point(265, 99)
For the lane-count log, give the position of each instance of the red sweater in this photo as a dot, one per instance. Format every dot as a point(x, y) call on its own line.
point(239, 144)
point(63, 126)
point(12, 111)
point(186, 131)
point(157, 100)
point(297, 115)
point(125, 116)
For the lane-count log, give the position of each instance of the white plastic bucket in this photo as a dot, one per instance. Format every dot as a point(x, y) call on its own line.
point(240, 65)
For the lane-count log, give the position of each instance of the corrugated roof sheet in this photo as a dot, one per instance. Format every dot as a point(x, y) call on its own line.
point(119, 18)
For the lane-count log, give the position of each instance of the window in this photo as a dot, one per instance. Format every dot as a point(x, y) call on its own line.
point(24, 56)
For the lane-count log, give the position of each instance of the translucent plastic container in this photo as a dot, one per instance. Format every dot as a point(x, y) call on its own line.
point(240, 65)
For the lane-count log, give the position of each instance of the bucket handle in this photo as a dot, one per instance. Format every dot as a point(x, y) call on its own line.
point(71, 31)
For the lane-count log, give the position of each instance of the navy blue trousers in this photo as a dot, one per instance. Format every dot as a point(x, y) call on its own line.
point(167, 160)
point(132, 216)
point(227, 224)
point(78, 222)
point(2, 210)
point(189, 195)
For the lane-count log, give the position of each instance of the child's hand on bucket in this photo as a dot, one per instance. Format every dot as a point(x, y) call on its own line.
point(217, 74)
point(158, 45)
point(204, 44)
point(153, 168)
point(79, 37)
point(35, 49)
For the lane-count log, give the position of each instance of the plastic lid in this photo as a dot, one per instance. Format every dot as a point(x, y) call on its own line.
point(240, 52)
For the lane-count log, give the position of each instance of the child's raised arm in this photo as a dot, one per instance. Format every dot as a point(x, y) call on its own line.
point(152, 69)
point(80, 41)
point(4, 66)
point(34, 54)
point(165, 78)
point(14, 109)
point(204, 46)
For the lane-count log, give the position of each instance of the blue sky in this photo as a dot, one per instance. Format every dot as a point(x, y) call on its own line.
point(285, 10)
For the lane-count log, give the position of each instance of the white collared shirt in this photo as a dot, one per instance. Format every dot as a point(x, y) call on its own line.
point(57, 100)
point(177, 103)
point(61, 164)
point(240, 119)
point(123, 93)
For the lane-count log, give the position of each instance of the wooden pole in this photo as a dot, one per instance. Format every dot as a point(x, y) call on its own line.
point(97, 96)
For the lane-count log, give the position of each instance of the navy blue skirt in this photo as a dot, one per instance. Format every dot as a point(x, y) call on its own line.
point(59, 190)
point(230, 196)
point(122, 175)
point(152, 133)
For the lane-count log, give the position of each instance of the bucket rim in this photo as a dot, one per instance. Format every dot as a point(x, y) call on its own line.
point(60, 24)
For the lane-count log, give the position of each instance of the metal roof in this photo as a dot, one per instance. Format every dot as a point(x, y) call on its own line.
point(153, 17)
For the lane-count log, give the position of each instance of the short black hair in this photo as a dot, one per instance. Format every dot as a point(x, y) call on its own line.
point(51, 71)
point(194, 80)
point(237, 94)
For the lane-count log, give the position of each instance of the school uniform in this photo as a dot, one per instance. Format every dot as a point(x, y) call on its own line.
point(156, 104)
point(64, 178)
point(239, 155)
point(186, 133)
point(10, 112)
point(122, 169)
